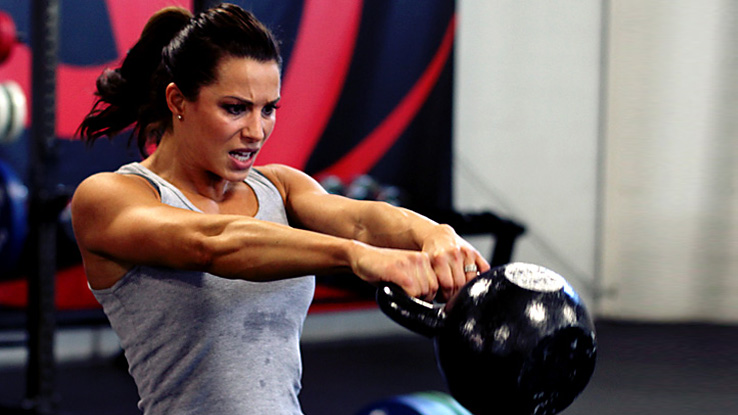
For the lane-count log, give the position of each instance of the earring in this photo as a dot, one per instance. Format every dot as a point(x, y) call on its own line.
point(179, 117)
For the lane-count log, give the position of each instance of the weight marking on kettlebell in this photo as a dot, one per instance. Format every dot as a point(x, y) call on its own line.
point(536, 312)
point(502, 333)
point(471, 332)
point(534, 277)
point(569, 314)
point(479, 288)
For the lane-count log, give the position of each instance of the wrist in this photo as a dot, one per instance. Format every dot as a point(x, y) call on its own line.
point(435, 231)
point(354, 250)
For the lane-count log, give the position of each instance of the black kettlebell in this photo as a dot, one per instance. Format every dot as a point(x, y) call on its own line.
point(516, 340)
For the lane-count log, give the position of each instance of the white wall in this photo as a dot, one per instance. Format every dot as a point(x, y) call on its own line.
point(671, 229)
point(526, 125)
point(609, 128)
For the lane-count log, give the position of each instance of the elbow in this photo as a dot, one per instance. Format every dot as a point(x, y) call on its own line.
point(215, 254)
point(202, 253)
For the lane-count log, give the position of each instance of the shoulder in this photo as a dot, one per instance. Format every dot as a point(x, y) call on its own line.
point(102, 190)
point(289, 180)
point(277, 171)
point(108, 184)
point(283, 175)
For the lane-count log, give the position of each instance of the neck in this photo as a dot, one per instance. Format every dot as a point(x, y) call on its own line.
point(184, 174)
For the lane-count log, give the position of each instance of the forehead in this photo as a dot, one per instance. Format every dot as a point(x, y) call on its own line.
point(248, 78)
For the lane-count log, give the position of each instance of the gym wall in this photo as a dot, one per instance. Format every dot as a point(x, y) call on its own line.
point(527, 99)
point(671, 223)
point(608, 128)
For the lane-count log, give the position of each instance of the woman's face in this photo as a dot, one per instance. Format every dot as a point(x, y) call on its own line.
point(230, 120)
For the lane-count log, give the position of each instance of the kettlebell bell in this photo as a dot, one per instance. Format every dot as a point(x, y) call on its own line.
point(516, 340)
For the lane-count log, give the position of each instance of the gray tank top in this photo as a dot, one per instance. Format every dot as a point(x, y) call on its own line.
point(200, 344)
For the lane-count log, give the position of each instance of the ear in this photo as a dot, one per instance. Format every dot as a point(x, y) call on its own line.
point(175, 99)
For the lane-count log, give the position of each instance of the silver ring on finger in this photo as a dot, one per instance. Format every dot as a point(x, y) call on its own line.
point(471, 268)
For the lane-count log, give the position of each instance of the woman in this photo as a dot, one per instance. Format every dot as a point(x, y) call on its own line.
point(202, 262)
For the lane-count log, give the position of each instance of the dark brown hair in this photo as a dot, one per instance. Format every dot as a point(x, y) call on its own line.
point(174, 46)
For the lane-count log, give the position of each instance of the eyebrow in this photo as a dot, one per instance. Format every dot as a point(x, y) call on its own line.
point(246, 101)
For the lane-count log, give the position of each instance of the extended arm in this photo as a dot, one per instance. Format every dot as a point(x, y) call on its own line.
point(119, 222)
point(378, 224)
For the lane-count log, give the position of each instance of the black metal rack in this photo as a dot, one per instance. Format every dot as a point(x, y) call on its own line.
point(45, 206)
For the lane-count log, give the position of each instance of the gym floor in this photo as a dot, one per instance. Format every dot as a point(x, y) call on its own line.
point(642, 369)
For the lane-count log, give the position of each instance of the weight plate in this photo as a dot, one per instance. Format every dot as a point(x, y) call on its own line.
point(18, 111)
point(5, 109)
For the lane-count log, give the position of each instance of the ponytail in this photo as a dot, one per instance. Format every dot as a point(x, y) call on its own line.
point(128, 95)
point(174, 47)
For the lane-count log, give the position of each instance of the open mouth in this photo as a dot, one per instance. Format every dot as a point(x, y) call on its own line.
point(242, 155)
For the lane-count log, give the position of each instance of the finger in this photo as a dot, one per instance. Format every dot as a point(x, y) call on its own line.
point(410, 283)
point(422, 275)
point(471, 270)
point(475, 264)
point(455, 260)
point(432, 279)
point(444, 274)
point(482, 263)
point(458, 272)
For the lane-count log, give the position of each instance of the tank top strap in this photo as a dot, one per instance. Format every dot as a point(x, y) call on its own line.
point(271, 204)
point(169, 194)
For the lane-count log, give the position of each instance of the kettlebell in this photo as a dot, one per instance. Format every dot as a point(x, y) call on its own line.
point(516, 340)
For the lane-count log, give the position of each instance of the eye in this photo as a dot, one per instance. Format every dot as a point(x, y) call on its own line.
point(269, 109)
point(234, 109)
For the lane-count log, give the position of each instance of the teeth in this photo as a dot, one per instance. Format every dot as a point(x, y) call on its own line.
point(240, 156)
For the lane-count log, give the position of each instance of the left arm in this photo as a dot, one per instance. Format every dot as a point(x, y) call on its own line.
point(379, 224)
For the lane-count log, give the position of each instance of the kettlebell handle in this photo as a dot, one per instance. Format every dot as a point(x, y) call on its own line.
point(416, 315)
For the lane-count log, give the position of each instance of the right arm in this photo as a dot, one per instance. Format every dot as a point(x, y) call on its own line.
point(119, 222)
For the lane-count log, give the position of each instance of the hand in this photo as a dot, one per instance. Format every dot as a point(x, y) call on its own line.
point(411, 270)
point(448, 254)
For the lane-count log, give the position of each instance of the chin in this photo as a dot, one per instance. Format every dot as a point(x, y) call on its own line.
point(239, 175)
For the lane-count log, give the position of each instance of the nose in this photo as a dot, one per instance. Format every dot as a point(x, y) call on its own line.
point(253, 130)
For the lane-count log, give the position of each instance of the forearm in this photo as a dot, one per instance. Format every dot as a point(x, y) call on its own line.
point(381, 224)
point(262, 251)
point(429, 254)
point(448, 254)
point(374, 223)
